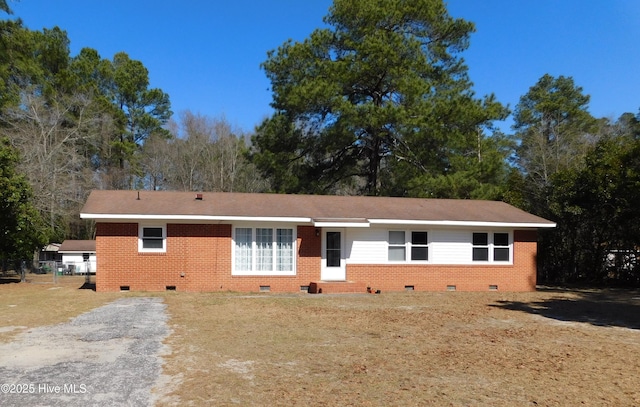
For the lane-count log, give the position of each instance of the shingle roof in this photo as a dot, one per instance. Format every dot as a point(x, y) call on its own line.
point(103, 204)
point(84, 246)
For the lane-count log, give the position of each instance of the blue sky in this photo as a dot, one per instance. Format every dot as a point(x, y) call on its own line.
point(207, 54)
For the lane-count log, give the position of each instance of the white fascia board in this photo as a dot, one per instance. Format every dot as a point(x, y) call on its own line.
point(460, 223)
point(101, 216)
point(341, 224)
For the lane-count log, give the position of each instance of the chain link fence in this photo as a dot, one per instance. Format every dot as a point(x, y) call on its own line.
point(11, 270)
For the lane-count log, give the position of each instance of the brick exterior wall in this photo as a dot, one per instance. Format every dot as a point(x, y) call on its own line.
point(198, 258)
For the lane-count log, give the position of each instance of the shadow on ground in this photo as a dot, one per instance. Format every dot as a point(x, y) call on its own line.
point(9, 280)
point(620, 308)
point(88, 286)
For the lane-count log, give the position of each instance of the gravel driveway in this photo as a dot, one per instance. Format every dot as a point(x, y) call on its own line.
point(109, 356)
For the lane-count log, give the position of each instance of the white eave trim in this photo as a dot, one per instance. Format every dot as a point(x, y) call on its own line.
point(101, 216)
point(460, 223)
point(336, 224)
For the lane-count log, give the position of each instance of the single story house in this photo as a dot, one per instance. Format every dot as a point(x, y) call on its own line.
point(78, 256)
point(184, 241)
point(49, 253)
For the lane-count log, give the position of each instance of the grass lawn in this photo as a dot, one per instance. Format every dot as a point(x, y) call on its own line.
point(551, 347)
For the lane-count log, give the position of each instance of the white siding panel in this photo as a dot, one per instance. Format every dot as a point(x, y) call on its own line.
point(446, 246)
point(450, 247)
point(367, 246)
point(78, 263)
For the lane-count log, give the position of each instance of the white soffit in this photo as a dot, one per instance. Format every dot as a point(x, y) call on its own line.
point(460, 223)
point(341, 224)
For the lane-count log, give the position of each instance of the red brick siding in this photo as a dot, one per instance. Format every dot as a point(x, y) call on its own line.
point(198, 258)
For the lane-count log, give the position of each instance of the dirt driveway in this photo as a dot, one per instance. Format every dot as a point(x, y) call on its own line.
point(109, 356)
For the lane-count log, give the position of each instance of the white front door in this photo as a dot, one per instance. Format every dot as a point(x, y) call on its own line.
point(333, 255)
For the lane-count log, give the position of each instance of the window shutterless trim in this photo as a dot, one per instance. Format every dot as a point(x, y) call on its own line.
point(413, 246)
point(492, 247)
point(148, 236)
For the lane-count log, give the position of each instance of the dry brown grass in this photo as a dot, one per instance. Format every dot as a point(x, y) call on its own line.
point(459, 349)
point(497, 349)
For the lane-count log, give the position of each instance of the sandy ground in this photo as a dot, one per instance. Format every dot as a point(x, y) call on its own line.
point(110, 356)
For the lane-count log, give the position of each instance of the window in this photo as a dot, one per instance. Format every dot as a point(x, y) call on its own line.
point(498, 249)
point(501, 251)
point(264, 249)
point(418, 246)
point(260, 251)
point(152, 239)
point(397, 248)
point(284, 250)
point(480, 247)
point(243, 252)
point(334, 249)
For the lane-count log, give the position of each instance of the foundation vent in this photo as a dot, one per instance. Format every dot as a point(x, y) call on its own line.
point(451, 288)
point(124, 288)
point(265, 288)
point(409, 288)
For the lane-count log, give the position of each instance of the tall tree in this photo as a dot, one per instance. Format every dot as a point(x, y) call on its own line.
point(142, 111)
point(49, 134)
point(204, 154)
point(382, 84)
point(598, 232)
point(19, 67)
point(5, 7)
point(553, 128)
point(21, 228)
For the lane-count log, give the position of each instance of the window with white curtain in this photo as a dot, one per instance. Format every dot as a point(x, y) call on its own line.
point(243, 252)
point(264, 251)
point(284, 250)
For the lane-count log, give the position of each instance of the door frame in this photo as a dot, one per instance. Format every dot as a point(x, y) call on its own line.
point(333, 273)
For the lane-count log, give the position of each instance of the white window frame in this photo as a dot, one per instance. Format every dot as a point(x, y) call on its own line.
point(412, 245)
point(273, 271)
point(495, 246)
point(408, 246)
point(491, 246)
point(141, 238)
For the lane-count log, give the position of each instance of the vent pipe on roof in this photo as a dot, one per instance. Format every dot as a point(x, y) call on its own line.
point(198, 197)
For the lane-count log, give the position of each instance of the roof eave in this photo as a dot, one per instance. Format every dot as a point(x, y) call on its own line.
point(461, 223)
point(209, 218)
